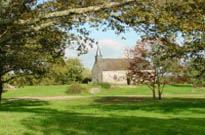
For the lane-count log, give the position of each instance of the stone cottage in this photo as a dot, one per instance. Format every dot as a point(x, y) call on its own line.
point(110, 70)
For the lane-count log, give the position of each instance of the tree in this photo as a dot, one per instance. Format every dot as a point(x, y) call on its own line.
point(32, 58)
point(87, 77)
point(194, 72)
point(61, 72)
point(23, 22)
point(34, 33)
point(64, 72)
point(73, 71)
point(173, 19)
point(150, 65)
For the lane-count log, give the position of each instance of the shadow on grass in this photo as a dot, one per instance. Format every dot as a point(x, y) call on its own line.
point(182, 85)
point(47, 121)
point(63, 123)
point(167, 105)
point(31, 106)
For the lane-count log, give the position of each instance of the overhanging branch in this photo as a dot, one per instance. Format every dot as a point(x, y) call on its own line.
point(75, 11)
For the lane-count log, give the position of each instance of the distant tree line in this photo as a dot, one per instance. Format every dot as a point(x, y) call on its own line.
point(61, 73)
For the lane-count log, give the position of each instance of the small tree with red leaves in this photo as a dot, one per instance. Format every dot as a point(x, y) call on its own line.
point(150, 65)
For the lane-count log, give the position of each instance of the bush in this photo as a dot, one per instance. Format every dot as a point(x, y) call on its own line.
point(105, 85)
point(86, 80)
point(198, 83)
point(76, 88)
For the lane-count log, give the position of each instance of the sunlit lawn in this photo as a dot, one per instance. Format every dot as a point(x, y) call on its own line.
point(45, 91)
point(40, 91)
point(182, 112)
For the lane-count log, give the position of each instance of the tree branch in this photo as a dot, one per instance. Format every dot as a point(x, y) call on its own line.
point(12, 78)
point(4, 33)
point(8, 80)
point(44, 25)
point(75, 11)
point(53, 15)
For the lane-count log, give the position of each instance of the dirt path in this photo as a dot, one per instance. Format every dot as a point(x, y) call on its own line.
point(65, 97)
point(76, 97)
point(47, 98)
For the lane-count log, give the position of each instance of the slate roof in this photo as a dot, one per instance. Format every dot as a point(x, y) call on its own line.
point(114, 64)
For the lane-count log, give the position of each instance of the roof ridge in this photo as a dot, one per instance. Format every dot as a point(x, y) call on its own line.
point(116, 58)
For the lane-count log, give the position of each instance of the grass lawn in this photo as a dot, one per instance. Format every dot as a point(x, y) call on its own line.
point(47, 91)
point(103, 116)
point(36, 91)
point(182, 112)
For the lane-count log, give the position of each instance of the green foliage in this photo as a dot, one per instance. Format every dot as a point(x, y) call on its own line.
point(199, 82)
point(30, 40)
point(76, 88)
point(86, 80)
point(34, 33)
point(105, 85)
point(74, 70)
point(177, 26)
point(194, 72)
point(86, 76)
point(178, 79)
point(66, 72)
point(150, 64)
point(63, 72)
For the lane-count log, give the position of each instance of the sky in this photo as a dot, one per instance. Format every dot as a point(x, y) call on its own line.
point(111, 45)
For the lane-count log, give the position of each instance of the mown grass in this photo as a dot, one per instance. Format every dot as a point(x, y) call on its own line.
point(37, 91)
point(46, 91)
point(104, 116)
point(169, 91)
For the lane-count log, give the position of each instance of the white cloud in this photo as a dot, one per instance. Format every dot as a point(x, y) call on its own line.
point(109, 43)
point(110, 49)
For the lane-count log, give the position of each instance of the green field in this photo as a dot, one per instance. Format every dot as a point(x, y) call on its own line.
point(181, 112)
point(47, 91)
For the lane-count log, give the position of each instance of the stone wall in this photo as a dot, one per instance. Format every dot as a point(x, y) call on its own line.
point(96, 74)
point(116, 77)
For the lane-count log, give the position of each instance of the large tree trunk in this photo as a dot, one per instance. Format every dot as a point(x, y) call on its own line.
point(153, 94)
point(1, 90)
point(159, 95)
point(159, 89)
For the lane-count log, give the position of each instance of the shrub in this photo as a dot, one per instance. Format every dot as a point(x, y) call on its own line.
point(198, 83)
point(76, 88)
point(105, 85)
point(86, 80)
point(4, 91)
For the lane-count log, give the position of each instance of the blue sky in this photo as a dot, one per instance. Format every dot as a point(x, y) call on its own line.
point(112, 46)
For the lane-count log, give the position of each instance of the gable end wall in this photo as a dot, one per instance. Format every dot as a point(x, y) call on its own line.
point(115, 77)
